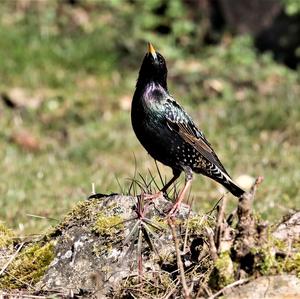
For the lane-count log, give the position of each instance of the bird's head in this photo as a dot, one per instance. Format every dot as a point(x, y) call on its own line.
point(153, 69)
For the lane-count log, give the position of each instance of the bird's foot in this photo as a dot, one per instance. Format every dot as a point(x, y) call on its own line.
point(173, 210)
point(181, 194)
point(183, 207)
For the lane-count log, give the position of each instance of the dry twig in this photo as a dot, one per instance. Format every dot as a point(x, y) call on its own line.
point(178, 257)
point(220, 223)
point(212, 245)
point(229, 286)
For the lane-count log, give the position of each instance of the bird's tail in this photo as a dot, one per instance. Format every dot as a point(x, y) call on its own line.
point(233, 188)
point(223, 178)
point(228, 183)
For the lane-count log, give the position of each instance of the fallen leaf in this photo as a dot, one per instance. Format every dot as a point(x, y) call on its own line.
point(26, 140)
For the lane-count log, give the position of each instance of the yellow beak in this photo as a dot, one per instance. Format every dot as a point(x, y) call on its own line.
point(151, 50)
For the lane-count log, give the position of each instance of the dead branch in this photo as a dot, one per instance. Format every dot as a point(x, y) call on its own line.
point(246, 227)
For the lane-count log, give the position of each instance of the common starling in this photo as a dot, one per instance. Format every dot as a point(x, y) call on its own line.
point(168, 133)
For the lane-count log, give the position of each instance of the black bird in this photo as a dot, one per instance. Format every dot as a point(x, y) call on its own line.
point(168, 133)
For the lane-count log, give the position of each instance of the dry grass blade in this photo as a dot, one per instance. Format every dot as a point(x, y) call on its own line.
point(153, 179)
point(120, 186)
point(215, 206)
point(11, 258)
point(139, 253)
point(135, 183)
point(132, 232)
point(148, 230)
point(154, 225)
point(159, 174)
point(22, 295)
point(167, 296)
point(132, 185)
point(42, 217)
point(148, 240)
point(145, 184)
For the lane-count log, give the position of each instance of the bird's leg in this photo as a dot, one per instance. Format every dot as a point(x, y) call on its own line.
point(151, 197)
point(176, 174)
point(188, 180)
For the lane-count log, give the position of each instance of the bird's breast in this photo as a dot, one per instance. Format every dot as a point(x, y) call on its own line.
point(150, 128)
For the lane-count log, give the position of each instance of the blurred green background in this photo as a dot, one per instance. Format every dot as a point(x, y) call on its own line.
point(67, 74)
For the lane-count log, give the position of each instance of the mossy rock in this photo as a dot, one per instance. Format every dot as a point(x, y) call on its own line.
point(96, 248)
point(91, 243)
point(29, 266)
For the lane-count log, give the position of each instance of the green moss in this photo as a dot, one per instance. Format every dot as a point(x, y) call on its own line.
point(81, 210)
point(81, 213)
point(223, 272)
point(196, 223)
point(28, 267)
point(108, 225)
point(293, 264)
point(279, 244)
point(225, 267)
point(267, 263)
point(6, 236)
point(264, 257)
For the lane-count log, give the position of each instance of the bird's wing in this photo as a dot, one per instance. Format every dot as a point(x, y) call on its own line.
point(179, 121)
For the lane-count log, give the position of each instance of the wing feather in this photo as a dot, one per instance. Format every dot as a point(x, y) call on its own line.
point(187, 130)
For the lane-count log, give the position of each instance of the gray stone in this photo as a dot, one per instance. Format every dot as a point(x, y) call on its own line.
point(268, 287)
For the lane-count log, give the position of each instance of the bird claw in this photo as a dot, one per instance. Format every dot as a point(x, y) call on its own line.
point(173, 210)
